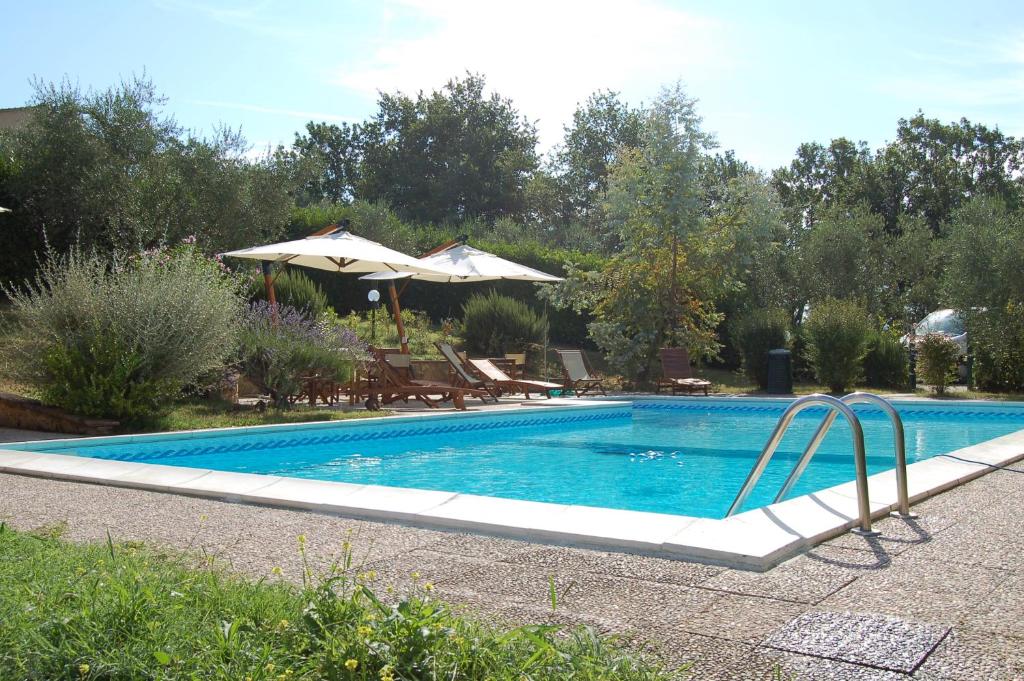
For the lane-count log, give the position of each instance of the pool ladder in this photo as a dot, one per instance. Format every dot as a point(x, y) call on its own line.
point(835, 408)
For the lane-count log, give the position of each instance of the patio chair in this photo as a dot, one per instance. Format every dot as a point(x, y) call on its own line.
point(395, 381)
point(462, 374)
point(677, 374)
point(577, 374)
point(503, 381)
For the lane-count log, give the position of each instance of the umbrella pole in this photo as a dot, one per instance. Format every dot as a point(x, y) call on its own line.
point(397, 311)
point(268, 283)
point(545, 374)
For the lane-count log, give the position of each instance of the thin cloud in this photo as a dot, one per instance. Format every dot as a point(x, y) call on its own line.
point(293, 113)
point(250, 17)
point(547, 56)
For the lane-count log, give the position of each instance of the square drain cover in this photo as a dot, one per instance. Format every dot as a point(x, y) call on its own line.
point(877, 641)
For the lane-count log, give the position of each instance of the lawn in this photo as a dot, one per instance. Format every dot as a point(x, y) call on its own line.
point(728, 381)
point(125, 611)
point(197, 414)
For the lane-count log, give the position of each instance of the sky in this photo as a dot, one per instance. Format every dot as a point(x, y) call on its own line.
point(767, 75)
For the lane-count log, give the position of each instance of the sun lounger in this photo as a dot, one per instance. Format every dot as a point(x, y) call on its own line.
point(503, 381)
point(395, 381)
point(677, 374)
point(577, 373)
point(463, 376)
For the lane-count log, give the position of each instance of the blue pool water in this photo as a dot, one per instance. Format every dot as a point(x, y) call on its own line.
point(683, 456)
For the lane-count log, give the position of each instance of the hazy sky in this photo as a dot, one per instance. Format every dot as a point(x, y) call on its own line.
point(768, 75)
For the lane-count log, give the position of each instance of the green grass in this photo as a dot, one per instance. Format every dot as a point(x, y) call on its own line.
point(124, 611)
point(728, 381)
point(199, 414)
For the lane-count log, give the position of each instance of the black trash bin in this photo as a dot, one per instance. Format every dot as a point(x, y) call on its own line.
point(780, 372)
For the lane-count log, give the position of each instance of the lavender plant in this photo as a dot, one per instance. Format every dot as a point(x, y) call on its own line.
point(279, 347)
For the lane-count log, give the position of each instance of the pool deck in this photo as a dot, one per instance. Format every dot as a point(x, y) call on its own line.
point(941, 597)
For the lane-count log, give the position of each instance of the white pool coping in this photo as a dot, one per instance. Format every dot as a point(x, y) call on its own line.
point(755, 540)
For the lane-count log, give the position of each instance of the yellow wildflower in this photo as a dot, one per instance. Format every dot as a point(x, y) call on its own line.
point(276, 571)
point(364, 631)
point(83, 670)
point(351, 664)
point(387, 673)
point(415, 575)
point(283, 624)
point(428, 586)
point(302, 539)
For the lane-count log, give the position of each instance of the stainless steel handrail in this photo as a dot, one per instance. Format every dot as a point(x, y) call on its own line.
point(859, 459)
point(899, 444)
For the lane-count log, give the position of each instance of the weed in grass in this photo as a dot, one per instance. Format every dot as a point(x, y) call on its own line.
point(115, 611)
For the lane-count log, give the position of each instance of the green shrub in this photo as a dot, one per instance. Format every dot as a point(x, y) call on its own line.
point(120, 339)
point(936, 361)
point(422, 333)
point(754, 334)
point(886, 365)
point(494, 324)
point(997, 342)
point(114, 611)
point(837, 335)
point(280, 347)
point(294, 289)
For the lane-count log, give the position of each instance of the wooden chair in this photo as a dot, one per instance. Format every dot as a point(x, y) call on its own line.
point(677, 374)
point(462, 375)
point(577, 374)
point(518, 360)
point(502, 381)
point(395, 382)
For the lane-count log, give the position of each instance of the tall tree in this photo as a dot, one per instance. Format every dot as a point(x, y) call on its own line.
point(449, 156)
point(659, 288)
point(336, 152)
point(601, 127)
point(820, 177)
point(933, 167)
point(106, 170)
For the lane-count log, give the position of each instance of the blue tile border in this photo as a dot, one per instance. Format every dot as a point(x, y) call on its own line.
point(383, 430)
point(915, 410)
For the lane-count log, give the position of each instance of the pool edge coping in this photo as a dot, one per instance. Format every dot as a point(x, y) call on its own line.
point(756, 540)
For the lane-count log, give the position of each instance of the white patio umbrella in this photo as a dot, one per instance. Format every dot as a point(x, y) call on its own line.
point(333, 249)
point(337, 251)
point(463, 263)
point(460, 264)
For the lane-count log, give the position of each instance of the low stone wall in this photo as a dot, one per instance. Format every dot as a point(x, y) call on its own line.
point(28, 414)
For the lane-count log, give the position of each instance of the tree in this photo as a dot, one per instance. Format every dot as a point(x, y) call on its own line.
point(449, 156)
point(932, 168)
point(985, 252)
point(106, 170)
point(336, 151)
point(600, 128)
point(659, 288)
point(838, 257)
point(819, 177)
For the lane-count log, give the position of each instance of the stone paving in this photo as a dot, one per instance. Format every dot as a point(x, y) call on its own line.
point(938, 598)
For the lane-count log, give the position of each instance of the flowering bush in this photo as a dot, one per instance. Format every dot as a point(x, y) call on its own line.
point(279, 347)
point(120, 339)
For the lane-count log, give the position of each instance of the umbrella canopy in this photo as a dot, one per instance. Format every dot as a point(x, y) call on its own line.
point(337, 251)
point(464, 264)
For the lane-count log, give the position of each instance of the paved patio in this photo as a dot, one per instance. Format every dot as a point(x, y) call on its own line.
point(937, 598)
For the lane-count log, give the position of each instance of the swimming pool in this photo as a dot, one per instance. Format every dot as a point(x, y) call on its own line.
point(677, 456)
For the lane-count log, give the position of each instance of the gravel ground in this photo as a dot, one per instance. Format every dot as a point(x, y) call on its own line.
point(940, 598)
